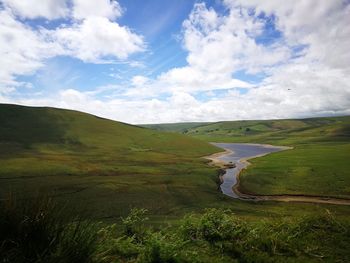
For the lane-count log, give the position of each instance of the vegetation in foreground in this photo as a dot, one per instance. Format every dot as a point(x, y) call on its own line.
point(40, 231)
point(318, 164)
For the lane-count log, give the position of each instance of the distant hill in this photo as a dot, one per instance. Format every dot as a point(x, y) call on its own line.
point(273, 131)
point(175, 127)
point(317, 165)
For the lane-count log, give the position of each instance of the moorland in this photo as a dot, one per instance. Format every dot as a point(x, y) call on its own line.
point(145, 194)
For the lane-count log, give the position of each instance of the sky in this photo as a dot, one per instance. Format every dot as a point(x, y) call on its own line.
point(156, 61)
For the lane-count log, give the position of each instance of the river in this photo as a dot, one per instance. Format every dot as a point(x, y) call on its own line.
point(238, 153)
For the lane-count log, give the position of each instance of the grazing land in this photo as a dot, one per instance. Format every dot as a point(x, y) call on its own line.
point(102, 166)
point(157, 199)
point(317, 165)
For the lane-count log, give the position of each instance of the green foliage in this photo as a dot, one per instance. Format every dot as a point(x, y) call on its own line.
point(213, 225)
point(39, 230)
point(306, 239)
point(77, 243)
point(160, 247)
point(133, 224)
point(216, 235)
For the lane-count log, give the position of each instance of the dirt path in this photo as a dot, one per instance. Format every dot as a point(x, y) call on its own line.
point(281, 198)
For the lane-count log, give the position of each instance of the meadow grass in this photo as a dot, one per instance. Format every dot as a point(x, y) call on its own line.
point(104, 168)
point(42, 231)
point(95, 170)
point(318, 164)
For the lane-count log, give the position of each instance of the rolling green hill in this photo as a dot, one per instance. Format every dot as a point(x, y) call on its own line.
point(318, 164)
point(101, 165)
point(104, 168)
point(274, 131)
point(175, 127)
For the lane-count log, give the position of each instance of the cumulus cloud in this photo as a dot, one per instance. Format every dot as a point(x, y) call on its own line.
point(90, 36)
point(96, 38)
point(101, 8)
point(219, 45)
point(50, 9)
point(320, 24)
point(22, 50)
point(306, 69)
point(53, 9)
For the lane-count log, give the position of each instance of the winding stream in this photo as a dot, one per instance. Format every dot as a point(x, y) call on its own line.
point(237, 153)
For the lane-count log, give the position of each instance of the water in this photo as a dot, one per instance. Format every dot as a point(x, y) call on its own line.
point(240, 151)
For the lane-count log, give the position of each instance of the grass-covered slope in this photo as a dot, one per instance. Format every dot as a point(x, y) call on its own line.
point(175, 127)
point(102, 165)
point(287, 131)
point(318, 164)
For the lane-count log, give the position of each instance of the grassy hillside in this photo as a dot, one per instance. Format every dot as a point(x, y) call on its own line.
point(318, 164)
point(273, 131)
point(101, 169)
point(101, 165)
point(175, 127)
point(105, 168)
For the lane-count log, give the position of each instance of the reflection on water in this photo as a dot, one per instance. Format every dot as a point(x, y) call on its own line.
point(240, 151)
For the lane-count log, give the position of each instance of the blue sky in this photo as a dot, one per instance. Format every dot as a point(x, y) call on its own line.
point(174, 61)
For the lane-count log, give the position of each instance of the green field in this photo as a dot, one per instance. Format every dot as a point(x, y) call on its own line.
point(318, 164)
point(100, 169)
point(102, 166)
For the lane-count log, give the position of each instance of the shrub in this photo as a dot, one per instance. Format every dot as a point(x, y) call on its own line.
point(133, 224)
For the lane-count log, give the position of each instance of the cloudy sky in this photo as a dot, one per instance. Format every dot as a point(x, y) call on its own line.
point(159, 61)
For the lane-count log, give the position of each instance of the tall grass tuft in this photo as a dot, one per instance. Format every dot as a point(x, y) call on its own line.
point(39, 230)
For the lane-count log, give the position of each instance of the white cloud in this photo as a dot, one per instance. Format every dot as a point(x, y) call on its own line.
point(139, 81)
point(102, 8)
point(96, 39)
point(22, 50)
point(49, 9)
point(321, 24)
point(218, 46)
point(53, 9)
point(314, 83)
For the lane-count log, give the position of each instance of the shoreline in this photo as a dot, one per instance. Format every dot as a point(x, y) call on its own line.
point(246, 196)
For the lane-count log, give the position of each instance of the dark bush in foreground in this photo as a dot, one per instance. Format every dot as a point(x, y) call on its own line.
point(40, 232)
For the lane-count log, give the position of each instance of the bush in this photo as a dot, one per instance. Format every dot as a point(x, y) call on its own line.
point(214, 225)
point(162, 249)
point(133, 224)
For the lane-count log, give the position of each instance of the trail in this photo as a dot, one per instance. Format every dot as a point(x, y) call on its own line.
point(238, 193)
